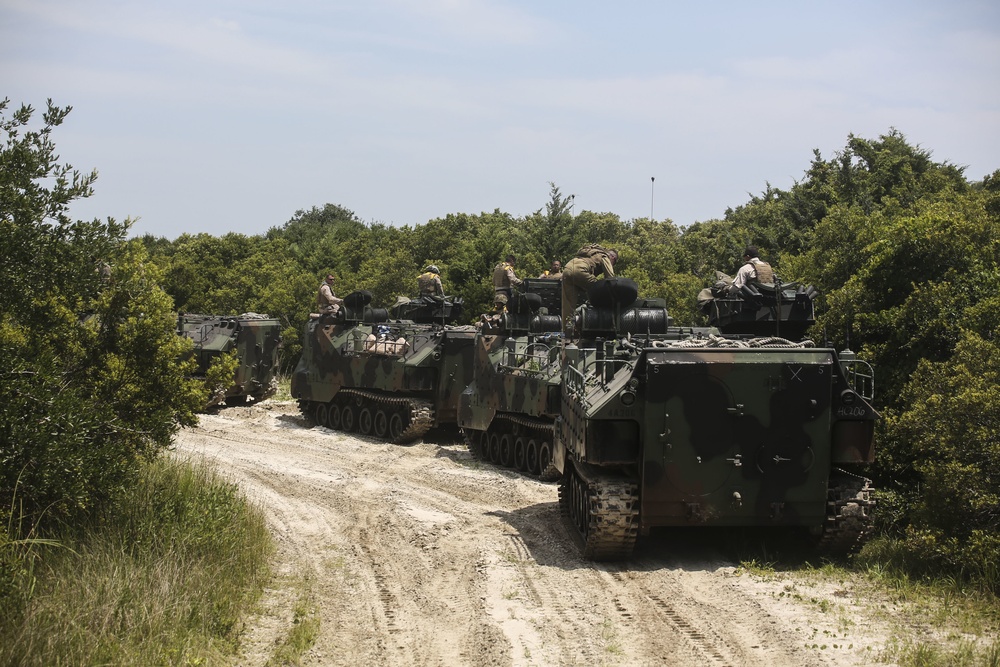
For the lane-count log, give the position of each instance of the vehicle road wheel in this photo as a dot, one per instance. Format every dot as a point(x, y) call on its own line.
point(381, 425)
point(320, 414)
point(347, 418)
point(365, 421)
point(333, 417)
point(506, 450)
point(520, 458)
point(531, 456)
point(396, 426)
point(494, 448)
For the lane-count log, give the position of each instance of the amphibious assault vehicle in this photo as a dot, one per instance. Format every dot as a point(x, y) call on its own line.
point(508, 410)
point(394, 379)
point(660, 426)
point(255, 338)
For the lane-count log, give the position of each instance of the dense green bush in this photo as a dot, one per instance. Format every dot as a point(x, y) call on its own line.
point(949, 432)
point(92, 384)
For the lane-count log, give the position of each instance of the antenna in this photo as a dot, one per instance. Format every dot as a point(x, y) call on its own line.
point(777, 319)
point(652, 180)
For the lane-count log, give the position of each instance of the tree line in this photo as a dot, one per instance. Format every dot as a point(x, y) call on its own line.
point(905, 251)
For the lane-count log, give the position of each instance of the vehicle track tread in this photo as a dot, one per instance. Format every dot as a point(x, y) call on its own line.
point(848, 513)
point(612, 514)
point(421, 411)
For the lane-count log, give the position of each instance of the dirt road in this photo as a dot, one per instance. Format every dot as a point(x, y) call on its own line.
point(420, 555)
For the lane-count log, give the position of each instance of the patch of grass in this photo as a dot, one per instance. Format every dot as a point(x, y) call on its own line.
point(757, 569)
point(284, 391)
point(945, 602)
point(509, 556)
point(163, 579)
point(610, 637)
point(303, 633)
point(928, 654)
point(899, 555)
point(945, 620)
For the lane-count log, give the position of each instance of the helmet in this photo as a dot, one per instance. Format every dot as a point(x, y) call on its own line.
point(434, 269)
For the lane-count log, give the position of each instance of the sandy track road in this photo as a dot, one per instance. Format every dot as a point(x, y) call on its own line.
point(419, 555)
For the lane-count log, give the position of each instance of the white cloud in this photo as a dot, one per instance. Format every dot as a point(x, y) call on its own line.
point(209, 40)
point(472, 20)
point(250, 107)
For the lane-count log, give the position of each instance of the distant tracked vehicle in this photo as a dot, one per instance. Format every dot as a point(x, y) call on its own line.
point(256, 340)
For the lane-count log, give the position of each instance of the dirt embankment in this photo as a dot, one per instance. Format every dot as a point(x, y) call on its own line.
point(420, 555)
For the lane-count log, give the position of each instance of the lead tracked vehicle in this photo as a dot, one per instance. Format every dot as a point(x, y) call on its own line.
point(660, 427)
point(363, 372)
point(255, 339)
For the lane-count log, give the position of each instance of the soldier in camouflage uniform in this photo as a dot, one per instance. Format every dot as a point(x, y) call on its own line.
point(326, 300)
point(753, 269)
point(504, 279)
point(580, 274)
point(429, 282)
point(554, 271)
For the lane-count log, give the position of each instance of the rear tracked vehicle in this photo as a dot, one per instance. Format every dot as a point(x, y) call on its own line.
point(393, 379)
point(659, 427)
point(255, 339)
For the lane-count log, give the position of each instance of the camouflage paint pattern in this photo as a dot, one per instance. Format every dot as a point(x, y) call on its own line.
point(256, 340)
point(507, 411)
point(729, 436)
point(432, 362)
point(745, 423)
point(512, 374)
point(690, 427)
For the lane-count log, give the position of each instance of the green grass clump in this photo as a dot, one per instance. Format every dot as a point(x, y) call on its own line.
point(302, 635)
point(164, 579)
point(284, 391)
point(926, 654)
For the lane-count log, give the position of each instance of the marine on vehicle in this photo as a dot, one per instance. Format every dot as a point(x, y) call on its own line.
point(664, 427)
point(255, 339)
point(394, 379)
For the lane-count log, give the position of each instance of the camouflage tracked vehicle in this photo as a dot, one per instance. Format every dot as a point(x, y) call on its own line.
point(255, 339)
point(392, 379)
point(508, 410)
point(665, 427)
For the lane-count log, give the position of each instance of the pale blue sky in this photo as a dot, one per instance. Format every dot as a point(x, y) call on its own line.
point(220, 116)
